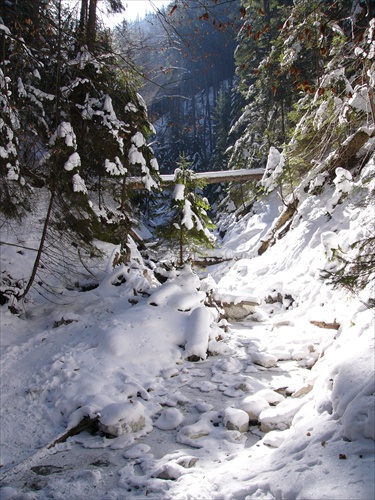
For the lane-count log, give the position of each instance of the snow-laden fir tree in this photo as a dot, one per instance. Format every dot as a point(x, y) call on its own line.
point(71, 123)
point(186, 223)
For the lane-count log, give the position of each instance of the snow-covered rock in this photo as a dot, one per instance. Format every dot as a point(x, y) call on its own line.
point(264, 359)
point(237, 306)
point(122, 418)
point(169, 419)
point(190, 434)
point(272, 397)
point(198, 333)
point(253, 406)
point(236, 419)
point(281, 416)
point(171, 471)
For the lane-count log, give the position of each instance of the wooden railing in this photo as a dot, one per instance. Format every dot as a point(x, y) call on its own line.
point(214, 177)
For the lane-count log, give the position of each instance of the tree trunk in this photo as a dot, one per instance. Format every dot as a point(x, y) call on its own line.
point(181, 245)
point(83, 21)
point(91, 25)
point(123, 193)
point(41, 246)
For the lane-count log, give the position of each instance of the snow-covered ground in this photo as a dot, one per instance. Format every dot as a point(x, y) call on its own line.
point(281, 408)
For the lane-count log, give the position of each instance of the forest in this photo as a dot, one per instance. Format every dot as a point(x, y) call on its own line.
point(161, 329)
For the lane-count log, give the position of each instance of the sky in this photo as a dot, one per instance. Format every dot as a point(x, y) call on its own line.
point(137, 8)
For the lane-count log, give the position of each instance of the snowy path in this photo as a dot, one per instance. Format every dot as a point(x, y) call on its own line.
point(187, 407)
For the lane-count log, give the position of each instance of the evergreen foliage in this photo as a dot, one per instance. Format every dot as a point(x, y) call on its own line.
point(186, 223)
point(71, 122)
point(299, 80)
point(186, 54)
point(357, 271)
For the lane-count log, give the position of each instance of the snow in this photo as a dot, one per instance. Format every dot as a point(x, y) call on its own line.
point(135, 156)
point(79, 184)
point(274, 168)
point(219, 174)
point(138, 140)
point(131, 107)
point(65, 131)
point(178, 193)
point(198, 332)
point(190, 405)
point(114, 167)
point(148, 180)
point(187, 219)
point(73, 162)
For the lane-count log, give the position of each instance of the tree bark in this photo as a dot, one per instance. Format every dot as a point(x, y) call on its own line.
point(41, 246)
point(181, 245)
point(91, 25)
point(83, 20)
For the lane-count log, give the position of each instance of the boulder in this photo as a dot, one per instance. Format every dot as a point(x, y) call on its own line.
point(169, 472)
point(253, 406)
point(238, 311)
point(237, 306)
point(235, 419)
point(122, 418)
point(264, 359)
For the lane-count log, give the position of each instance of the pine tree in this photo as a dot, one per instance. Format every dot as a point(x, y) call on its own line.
point(186, 223)
point(72, 123)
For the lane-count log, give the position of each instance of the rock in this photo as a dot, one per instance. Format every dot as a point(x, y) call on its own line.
point(170, 419)
point(253, 406)
point(240, 310)
point(303, 391)
point(122, 418)
point(187, 461)
point(171, 471)
point(281, 416)
point(330, 326)
point(264, 359)
point(236, 420)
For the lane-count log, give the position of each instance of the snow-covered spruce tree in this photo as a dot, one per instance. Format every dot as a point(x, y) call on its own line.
point(261, 122)
point(309, 66)
point(21, 110)
point(110, 123)
point(186, 224)
point(335, 100)
point(11, 181)
point(335, 130)
point(87, 137)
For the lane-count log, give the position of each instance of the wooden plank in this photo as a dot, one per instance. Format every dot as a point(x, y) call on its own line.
point(214, 177)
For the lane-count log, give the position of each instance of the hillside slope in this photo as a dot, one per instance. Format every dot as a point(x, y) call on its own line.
point(131, 354)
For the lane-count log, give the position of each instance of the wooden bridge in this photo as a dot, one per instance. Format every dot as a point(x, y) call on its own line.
point(214, 177)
